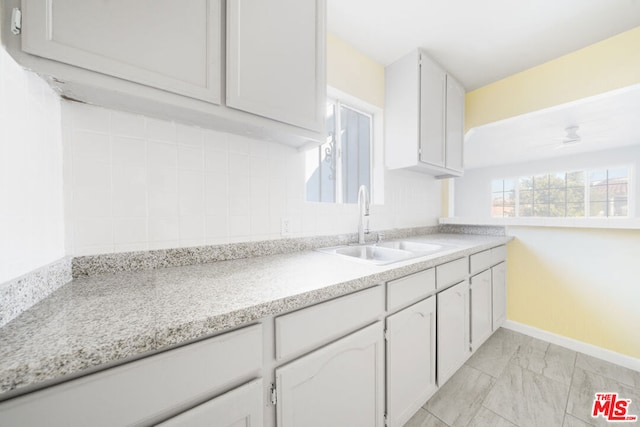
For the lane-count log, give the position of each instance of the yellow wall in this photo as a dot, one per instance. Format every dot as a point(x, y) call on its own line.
point(352, 72)
point(579, 283)
point(610, 64)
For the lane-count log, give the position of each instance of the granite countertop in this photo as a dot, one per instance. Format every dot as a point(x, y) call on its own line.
point(97, 321)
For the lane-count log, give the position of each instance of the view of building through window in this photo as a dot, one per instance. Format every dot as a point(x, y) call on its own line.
point(596, 193)
point(336, 169)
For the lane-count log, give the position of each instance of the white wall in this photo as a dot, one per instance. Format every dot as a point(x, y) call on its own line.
point(136, 183)
point(473, 191)
point(31, 214)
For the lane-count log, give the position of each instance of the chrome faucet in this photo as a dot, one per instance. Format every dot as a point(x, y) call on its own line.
point(363, 209)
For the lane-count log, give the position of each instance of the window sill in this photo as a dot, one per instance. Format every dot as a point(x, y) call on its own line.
point(607, 223)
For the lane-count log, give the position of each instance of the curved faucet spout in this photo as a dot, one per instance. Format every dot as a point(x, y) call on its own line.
point(363, 209)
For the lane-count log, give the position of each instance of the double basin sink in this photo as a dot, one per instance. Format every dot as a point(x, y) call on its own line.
point(385, 252)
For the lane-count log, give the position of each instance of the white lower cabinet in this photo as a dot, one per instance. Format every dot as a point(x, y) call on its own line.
point(453, 330)
point(239, 407)
point(341, 384)
point(411, 360)
point(499, 279)
point(480, 294)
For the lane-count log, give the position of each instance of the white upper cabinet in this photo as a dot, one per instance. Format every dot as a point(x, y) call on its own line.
point(276, 61)
point(167, 59)
point(424, 117)
point(166, 44)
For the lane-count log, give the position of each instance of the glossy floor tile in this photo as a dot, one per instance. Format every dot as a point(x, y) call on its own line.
point(514, 380)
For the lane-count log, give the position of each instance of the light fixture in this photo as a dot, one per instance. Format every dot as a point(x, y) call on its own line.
point(572, 136)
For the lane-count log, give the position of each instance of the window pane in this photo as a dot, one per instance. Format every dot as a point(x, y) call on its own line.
point(509, 210)
point(575, 209)
point(617, 190)
point(541, 210)
point(598, 209)
point(598, 177)
point(557, 209)
point(541, 182)
point(496, 207)
point(557, 195)
point(526, 197)
point(618, 174)
point(320, 165)
point(356, 154)
point(525, 183)
point(541, 197)
point(598, 193)
point(509, 184)
point(619, 207)
point(575, 179)
point(526, 210)
point(510, 197)
point(575, 195)
point(557, 180)
point(497, 185)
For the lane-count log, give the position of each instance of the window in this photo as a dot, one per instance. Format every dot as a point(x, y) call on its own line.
point(596, 193)
point(336, 170)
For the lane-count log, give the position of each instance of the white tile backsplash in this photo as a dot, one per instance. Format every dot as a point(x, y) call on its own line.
point(160, 185)
point(31, 202)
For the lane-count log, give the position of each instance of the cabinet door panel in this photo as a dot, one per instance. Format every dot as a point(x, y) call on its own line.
point(481, 311)
point(170, 45)
point(455, 125)
point(432, 115)
point(499, 273)
point(276, 66)
point(453, 330)
point(341, 384)
point(237, 408)
point(411, 361)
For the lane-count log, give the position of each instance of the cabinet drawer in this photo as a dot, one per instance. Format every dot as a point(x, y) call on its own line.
point(451, 272)
point(410, 288)
point(144, 390)
point(498, 254)
point(480, 261)
point(312, 327)
point(240, 406)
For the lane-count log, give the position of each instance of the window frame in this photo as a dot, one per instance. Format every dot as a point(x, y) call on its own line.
point(586, 199)
point(339, 100)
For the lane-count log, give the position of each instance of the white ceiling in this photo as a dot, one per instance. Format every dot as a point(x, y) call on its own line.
point(605, 121)
point(479, 41)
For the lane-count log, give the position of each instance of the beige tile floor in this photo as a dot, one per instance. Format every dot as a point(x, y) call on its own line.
point(516, 380)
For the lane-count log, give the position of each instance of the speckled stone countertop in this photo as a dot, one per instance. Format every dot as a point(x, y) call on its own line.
point(97, 321)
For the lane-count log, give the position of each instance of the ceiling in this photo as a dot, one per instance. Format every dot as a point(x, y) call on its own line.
point(604, 121)
point(479, 41)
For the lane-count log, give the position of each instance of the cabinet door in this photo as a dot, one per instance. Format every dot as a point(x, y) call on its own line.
point(341, 384)
point(432, 116)
point(481, 311)
point(455, 125)
point(411, 360)
point(239, 407)
point(499, 273)
point(167, 44)
point(453, 330)
point(276, 60)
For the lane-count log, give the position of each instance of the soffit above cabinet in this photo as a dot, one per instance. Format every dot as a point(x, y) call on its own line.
point(603, 122)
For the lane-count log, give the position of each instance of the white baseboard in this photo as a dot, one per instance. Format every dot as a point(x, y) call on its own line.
point(575, 345)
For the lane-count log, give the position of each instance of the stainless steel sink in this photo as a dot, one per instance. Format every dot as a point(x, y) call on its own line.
point(416, 247)
point(386, 252)
point(372, 254)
